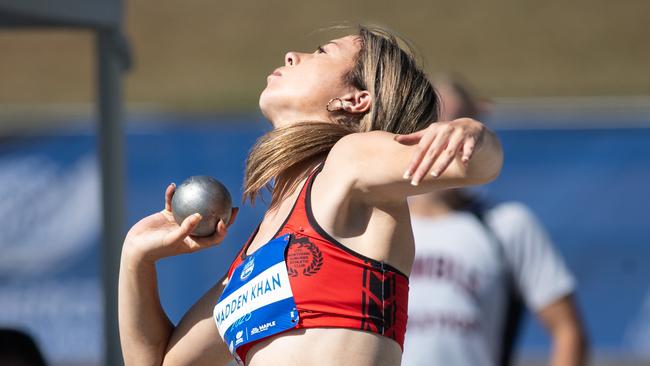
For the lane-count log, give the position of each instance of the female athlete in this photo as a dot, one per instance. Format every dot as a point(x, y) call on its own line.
point(323, 279)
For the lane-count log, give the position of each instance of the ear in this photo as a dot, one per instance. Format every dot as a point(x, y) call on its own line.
point(358, 101)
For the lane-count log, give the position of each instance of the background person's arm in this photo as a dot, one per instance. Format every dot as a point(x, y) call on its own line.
point(542, 279)
point(569, 341)
point(388, 167)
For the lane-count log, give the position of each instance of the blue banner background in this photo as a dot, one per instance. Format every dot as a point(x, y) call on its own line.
point(588, 186)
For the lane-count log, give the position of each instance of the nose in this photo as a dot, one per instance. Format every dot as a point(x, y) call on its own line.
point(291, 59)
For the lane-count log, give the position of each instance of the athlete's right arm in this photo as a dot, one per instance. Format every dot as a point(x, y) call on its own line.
point(147, 335)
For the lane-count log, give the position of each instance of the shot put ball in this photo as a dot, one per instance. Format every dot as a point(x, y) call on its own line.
point(206, 196)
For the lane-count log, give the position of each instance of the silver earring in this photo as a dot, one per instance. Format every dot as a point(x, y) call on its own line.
point(329, 104)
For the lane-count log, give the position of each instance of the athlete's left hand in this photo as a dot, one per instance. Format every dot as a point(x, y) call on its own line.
point(439, 144)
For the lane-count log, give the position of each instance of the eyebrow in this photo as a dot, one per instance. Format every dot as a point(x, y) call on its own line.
point(334, 43)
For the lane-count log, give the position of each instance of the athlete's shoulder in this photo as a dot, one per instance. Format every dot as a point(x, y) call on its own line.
point(351, 158)
point(357, 144)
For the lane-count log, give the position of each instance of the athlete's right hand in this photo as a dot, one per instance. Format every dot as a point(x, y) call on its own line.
point(158, 236)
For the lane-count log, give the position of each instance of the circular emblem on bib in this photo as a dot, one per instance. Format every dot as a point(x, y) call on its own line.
point(303, 257)
point(248, 269)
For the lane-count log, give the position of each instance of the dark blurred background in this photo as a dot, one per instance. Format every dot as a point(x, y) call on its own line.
point(570, 88)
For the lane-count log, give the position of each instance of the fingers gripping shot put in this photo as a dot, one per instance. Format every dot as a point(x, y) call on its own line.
point(323, 279)
point(203, 195)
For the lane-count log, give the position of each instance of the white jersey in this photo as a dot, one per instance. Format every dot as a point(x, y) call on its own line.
point(458, 284)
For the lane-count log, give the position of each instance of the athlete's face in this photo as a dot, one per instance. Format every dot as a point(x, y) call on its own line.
point(300, 90)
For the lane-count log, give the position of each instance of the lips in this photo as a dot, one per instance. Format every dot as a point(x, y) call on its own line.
point(275, 73)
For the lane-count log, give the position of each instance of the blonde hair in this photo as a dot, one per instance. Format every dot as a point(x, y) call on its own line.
point(403, 101)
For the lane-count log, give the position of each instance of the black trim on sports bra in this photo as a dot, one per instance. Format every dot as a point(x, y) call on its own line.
point(324, 234)
point(245, 254)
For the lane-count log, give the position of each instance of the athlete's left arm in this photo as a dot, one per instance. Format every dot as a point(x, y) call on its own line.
point(388, 167)
point(569, 342)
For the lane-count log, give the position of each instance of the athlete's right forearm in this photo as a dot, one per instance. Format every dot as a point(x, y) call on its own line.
point(145, 329)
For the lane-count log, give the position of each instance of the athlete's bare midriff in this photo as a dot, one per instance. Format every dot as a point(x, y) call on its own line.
point(325, 347)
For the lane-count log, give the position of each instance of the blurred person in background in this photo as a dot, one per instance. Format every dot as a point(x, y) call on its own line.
point(477, 266)
point(18, 348)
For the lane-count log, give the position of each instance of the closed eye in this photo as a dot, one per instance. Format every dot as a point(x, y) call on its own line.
point(320, 49)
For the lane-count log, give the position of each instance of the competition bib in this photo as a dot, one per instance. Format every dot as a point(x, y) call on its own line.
point(257, 302)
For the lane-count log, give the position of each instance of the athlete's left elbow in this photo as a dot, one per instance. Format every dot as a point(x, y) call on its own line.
point(495, 167)
point(485, 171)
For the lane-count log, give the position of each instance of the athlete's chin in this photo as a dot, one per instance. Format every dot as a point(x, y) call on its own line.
point(268, 107)
point(272, 105)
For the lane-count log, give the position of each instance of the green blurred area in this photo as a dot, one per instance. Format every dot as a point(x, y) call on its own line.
point(203, 56)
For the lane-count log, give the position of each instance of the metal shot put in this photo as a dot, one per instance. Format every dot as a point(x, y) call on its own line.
point(205, 195)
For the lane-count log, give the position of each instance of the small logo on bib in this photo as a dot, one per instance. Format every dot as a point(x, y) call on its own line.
point(262, 327)
point(248, 269)
point(239, 337)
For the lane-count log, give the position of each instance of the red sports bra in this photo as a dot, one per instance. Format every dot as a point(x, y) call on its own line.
point(333, 285)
